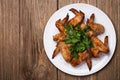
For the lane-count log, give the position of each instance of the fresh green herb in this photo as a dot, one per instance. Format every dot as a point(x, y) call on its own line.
point(86, 29)
point(78, 39)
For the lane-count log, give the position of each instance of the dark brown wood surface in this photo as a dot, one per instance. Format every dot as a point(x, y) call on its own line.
point(22, 54)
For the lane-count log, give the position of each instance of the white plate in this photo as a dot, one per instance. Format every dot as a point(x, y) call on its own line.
point(97, 63)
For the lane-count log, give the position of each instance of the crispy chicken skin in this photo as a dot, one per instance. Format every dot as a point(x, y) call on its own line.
point(99, 46)
point(106, 41)
point(77, 13)
point(56, 51)
point(59, 23)
point(79, 16)
point(82, 56)
point(95, 52)
point(64, 48)
point(97, 28)
point(82, 26)
point(89, 63)
point(59, 37)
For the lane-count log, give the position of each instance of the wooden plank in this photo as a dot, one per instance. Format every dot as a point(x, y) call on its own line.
point(1, 43)
point(9, 39)
point(34, 63)
point(111, 8)
point(62, 3)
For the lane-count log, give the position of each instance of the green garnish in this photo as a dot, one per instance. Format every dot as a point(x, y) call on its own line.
point(86, 29)
point(78, 39)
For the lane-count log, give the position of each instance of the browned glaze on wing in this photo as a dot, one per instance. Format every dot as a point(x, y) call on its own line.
point(56, 51)
point(97, 28)
point(59, 23)
point(99, 44)
point(79, 16)
point(82, 56)
point(95, 52)
point(64, 48)
point(89, 63)
point(59, 37)
point(106, 41)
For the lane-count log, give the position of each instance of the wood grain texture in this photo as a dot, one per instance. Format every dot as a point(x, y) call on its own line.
point(22, 54)
point(9, 41)
point(111, 8)
point(33, 17)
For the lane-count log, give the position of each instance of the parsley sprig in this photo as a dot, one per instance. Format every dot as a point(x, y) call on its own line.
point(78, 38)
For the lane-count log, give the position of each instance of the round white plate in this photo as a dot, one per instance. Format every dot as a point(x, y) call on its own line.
point(97, 63)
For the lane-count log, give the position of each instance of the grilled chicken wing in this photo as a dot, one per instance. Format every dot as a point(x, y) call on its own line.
point(79, 16)
point(77, 13)
point(89, 63)
point(97, 28)
point(59, 23)
point(95, 52)
point(59, 37)
point(106, 41)
point(99, 46)
point(82, 56)
point(56, 51)
point(64, 49)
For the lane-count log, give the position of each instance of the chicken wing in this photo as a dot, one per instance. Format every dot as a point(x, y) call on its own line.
point(56, 51)
point(97, 28)
point(59, 37)
point(99, 44)
point(77, 13)
point(82, 56)
point(64, 48)
point(59, 23)
point(89, 63)
point(106, 41)
point(77, 19)
point(95, 52)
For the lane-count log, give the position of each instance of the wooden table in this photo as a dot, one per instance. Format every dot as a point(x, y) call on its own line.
point(22, 55)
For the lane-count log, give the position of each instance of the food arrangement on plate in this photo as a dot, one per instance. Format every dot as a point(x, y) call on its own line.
point(77, 41)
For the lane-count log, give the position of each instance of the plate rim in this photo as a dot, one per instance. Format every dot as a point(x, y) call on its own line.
point(107, 60)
